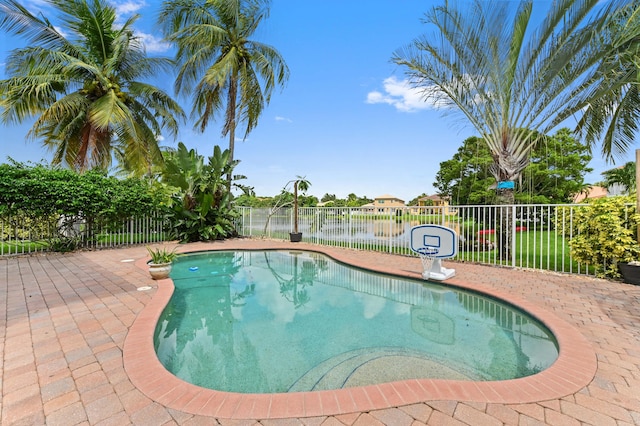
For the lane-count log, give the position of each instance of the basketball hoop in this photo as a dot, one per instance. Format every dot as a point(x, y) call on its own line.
point(434, 243)
point(427, 257)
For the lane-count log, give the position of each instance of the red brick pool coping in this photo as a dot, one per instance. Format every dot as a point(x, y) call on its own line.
point(573, 370)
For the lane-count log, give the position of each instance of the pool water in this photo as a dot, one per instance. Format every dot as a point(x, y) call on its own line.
point(284, 321)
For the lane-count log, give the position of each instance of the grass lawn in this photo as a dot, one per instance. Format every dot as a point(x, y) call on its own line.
point(112, 239)
point(21, 247)
point(540, 250)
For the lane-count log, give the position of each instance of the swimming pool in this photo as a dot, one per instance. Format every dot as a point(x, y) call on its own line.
point(283, 321)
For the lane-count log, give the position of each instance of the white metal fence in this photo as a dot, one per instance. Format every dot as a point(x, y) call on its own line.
point(23, 234)
point(538, 237)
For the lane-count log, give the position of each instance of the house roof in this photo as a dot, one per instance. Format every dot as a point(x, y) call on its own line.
point(591, 193)
point(434, 197)
point(388, 197)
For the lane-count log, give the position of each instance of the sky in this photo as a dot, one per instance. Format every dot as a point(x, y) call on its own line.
point(346, 120)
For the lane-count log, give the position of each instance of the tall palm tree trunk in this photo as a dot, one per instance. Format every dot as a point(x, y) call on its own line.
point(231, 122)
point(295, 207)
point(506, 198)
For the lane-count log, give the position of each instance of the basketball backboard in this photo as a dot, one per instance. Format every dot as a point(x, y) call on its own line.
point(438, 241)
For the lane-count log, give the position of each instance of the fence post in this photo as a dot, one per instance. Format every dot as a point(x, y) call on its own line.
point(513, 236)
point(349, 226)
point(637, 190)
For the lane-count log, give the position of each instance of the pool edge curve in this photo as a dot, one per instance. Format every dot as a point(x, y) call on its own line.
point(574, 369)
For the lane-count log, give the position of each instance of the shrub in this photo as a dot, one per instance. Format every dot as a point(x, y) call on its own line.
point(604, 234)
point(200, 208)
point(67, 208)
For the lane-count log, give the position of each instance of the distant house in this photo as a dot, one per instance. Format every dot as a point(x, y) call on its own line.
point(591, 193)
point(435, 201)
point(616, 189)
point(387, 204)
point(601, 192)
point(369, 208)
point(432, 200)
point(612, 190)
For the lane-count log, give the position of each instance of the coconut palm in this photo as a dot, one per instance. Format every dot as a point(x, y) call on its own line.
point(624, 176)
point(512, 82)
point(81, 83)
point(220, 65)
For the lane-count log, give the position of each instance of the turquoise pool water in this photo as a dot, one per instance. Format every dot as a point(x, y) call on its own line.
point(285, 321)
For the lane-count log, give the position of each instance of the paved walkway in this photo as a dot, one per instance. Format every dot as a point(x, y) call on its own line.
point(64, 320)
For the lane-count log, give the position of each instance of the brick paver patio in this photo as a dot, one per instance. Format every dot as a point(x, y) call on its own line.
point(64, 320)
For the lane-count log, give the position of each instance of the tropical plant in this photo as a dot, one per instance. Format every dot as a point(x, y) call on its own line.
point(161, 255)
point(512, 82)
point(603, 234)
point(81, 83)
point(220, 65)
point(299, 183)
point(286, 198)
point(624, 176)
point(611, 116)
point(200, 208)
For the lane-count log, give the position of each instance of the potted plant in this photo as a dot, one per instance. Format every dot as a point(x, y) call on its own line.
point(302, 184)
point(160, 264)
point(630, 271)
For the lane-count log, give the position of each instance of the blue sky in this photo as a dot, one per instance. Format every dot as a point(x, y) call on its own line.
point(346, 119)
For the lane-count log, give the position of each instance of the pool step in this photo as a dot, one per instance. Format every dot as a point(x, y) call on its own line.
point(367, 366)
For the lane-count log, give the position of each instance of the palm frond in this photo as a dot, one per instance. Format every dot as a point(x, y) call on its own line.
point(82, 89)
point(507, 78)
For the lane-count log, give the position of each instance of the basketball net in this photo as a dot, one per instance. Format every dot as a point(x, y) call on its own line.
point(427, 257)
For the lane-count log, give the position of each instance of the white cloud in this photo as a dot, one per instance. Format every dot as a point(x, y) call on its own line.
point(279, 118)
point(401, 95)
point(152, 43)
point(128, 7)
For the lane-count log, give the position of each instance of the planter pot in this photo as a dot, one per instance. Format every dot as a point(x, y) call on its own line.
point(630, 273)
point(159, 271)
point(295, 237)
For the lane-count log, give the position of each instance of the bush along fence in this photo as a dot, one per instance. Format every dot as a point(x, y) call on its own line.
point(23, 233)
point(54, 209)
point(543, 237)
point(577, 238)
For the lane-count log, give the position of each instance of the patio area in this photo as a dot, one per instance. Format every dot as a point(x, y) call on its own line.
point(64, 319)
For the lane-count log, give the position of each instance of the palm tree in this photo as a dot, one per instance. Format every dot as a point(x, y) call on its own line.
point(624, 176)
point(299, 183)
point(219, 64)
point(81, 82)
point(514, 84)
point(613, 113)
